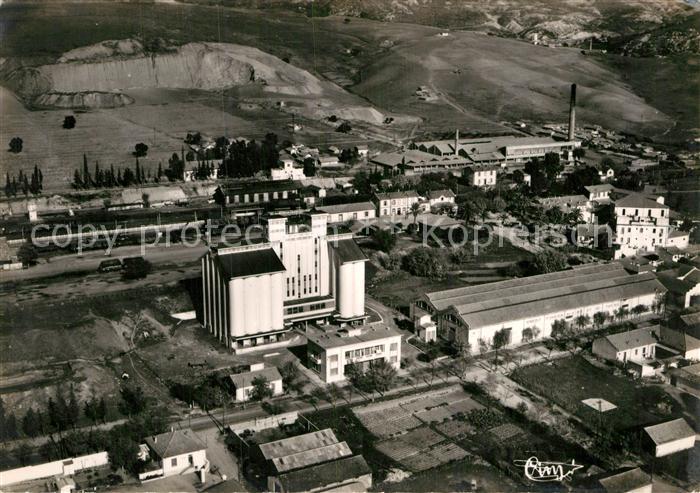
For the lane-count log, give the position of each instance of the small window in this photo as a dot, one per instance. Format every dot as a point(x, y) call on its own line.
point(173, 462)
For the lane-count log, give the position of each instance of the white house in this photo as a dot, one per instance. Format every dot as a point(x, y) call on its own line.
point(682, 333)
point(636, 346)
point(599, 193)
point(481, 176)
point(440, 197)
point(642, 224)
point(671, 437)
point(395, 203)
point(362, 150)
point(356, 211)
point(330, 353)
point(329, 162)
point(243, 382)
point(288, 169)
point(175, 452)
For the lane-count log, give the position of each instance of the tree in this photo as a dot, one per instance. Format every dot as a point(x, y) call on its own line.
point(621, 313)
point(599, 319)
point(31, 423)
point(101, 410)
point(582, 321)
point(415, 210)
point(528, 334)
point(69, 122)
point(638, 310)
point(73, 408)
point(560, 330)
point(548, 261)
point(27, 254)
point(309, 166)
point(552, 166)
point(290, 374)
point(22, 453)
point(136, 268)
point(122, 450)
point(16, 144)
point(425, 262)
point(384, 239)
point(133, 401)
point(579, 152)
point(140, 150)
point(500, 340)
point(335, 393)
point(261, 389)
point(344, 127)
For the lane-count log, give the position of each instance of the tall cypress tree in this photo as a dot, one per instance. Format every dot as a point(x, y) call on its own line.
point(87, 180)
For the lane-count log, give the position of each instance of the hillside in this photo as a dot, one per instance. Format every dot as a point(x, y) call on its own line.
point(564, 22)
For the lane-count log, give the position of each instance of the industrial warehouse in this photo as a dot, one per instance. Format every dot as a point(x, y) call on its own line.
point(253, 293)
point(526, 308)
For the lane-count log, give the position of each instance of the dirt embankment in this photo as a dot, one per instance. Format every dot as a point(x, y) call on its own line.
point(101, 75)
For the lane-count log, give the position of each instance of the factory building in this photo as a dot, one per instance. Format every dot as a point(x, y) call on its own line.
point(526, 308)
point(253, 293)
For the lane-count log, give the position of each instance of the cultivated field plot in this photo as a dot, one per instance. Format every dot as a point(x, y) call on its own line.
point(396, 416)
point(568, 382)
point(434, 457)
point(408, 444)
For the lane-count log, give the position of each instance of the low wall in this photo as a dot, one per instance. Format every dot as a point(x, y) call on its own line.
point(65, 467)
point(266, 422)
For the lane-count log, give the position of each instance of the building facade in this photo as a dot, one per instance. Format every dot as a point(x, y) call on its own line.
point(526, 308)
point(642, 224)
point(331, 353)
point(253, 293)
point(631, 346)
point(357, 211)
point(395, 203)
point(484, 176)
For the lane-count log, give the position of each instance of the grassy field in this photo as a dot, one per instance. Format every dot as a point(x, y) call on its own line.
point(567, 382)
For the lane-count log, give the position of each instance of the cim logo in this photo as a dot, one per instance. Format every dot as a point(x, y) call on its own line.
point(543, 472)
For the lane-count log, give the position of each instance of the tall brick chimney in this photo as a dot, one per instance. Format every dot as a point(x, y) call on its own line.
point(572, 113)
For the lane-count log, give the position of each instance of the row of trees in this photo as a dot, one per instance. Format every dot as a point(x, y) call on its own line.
point(61, 414)
point(108, 178)
point(25, 184)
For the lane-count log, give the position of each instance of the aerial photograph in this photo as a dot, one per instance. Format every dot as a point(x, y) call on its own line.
point(350, 246)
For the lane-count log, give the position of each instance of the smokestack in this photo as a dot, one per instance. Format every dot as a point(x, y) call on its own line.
point(572, 112)
point(457, 142)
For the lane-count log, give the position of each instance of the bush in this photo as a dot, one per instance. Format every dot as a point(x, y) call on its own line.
point(424, 262)
point(136, 268)
point(389, 262)
point(69, 122)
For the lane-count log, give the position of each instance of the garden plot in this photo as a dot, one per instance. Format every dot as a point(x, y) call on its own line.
point(411, 443)
point(507, 432)
point(441, 454)
point(454, 428)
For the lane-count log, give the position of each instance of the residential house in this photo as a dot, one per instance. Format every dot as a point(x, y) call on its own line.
point(288, 169)
point(570, 203)
point(440, 198)
point(329, 162)
point(683, 284)
point(243, 383)
point(175, 452)
point(642, 224)
point(606, 173)
point(362, 150)
point(682, 333)
point(637, 346)
point(482, 176)
point(356, 211)
point(599, 193)
point(687, 379)
point(670, 437)
point(395, 203)
point(628, 480)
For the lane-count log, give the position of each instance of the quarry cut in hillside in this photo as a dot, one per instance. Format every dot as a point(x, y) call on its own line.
point(104, 73)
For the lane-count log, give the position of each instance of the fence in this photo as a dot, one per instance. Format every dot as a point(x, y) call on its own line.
point(65, 467)
point(258, 424)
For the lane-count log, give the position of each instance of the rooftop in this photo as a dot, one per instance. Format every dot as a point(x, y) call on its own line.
point(249, 263)
point(397, 195)
point(325, 474)
point(306, 458)
point(300, 443)
point(639, 201)
point(436, 194)
point(356, 335)
point(623, 482)
point(243, 380)
point(175, 442)
point(669, 431)
point(347, 251)
point(623, 341)
point(342, 208)
point(600, 188)
point(504, 301)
